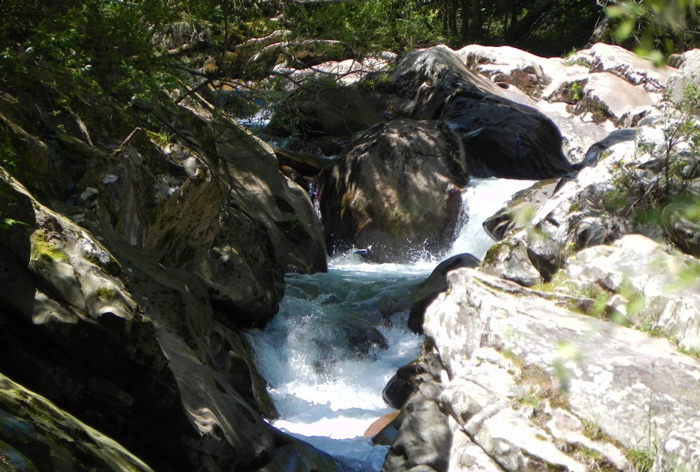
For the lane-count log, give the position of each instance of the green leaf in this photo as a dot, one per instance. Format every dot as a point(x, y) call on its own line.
point(8, 223)
point(624, 30)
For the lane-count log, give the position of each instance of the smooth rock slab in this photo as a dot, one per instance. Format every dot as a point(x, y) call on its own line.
point(636, 266)
point(622, 379)
point(37, 435)
point(625, 64)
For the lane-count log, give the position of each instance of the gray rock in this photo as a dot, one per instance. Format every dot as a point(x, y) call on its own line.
point(240, 242)
point(686, 76)
point(644, 273)
point(510, 261)
point(516, 445)
point(621, 379)
point(128, 346)
point(625, 64)
point(433, 285)
point(424, 434)
point(502, 138)
point(325, 111)
point(370, 196)
point(681, 450)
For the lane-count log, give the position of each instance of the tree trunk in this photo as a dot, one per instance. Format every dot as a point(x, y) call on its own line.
point(524, 27)
point(475, 24)
point(465, 21)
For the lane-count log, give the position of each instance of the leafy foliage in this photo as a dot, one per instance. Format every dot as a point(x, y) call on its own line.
point(655, 28)
point(370, 26)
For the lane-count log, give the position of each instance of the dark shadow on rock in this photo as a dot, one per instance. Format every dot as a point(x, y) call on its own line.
point(433, 286)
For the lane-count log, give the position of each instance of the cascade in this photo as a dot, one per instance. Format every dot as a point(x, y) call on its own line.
point(340, 336)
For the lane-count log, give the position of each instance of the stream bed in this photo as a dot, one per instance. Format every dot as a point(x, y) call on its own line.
point(341, 335)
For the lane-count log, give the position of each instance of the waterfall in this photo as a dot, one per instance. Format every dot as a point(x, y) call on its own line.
point(481, 199)
point(340, 336)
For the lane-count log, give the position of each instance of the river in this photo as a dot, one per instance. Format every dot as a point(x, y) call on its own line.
point(341, 335)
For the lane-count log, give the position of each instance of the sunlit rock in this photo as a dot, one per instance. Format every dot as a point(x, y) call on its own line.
point(396, 192)
point(657, 295)
point(501, 137)
point(592, 368)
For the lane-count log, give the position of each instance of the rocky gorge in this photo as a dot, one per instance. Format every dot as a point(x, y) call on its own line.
point(128, 283)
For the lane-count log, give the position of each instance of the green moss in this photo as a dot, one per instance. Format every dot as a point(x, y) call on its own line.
point(493, 253)
point(45, 249)
point(104, 293)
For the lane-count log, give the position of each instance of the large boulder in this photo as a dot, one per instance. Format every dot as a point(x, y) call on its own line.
point(125, 276)
point(527, 379)
point(126, 345)
point(587, 94)
point(396, 192)
point(318, 110)
point(188, 204)
point(502, 138)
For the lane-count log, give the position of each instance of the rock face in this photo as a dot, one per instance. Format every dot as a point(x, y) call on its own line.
point(207, 221)
point(424, 434)
point(595, 365)
point(647, 283)
point(60, 442)
point(686, 75)
point(433, 285)
point(394, 189)
point(330, 112)
point(396, 192)
point(123, 284)
point(523, 373)
point(502, 138)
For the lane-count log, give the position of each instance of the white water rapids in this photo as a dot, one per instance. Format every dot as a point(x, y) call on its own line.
point(326, 392)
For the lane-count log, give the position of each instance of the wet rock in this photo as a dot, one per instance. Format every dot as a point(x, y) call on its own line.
point(402, 385)
point(433, 285)
point(126, 345)
point(424, 433)
point(396, 191)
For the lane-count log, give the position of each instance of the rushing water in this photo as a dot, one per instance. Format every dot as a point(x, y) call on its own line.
point(340, 336)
